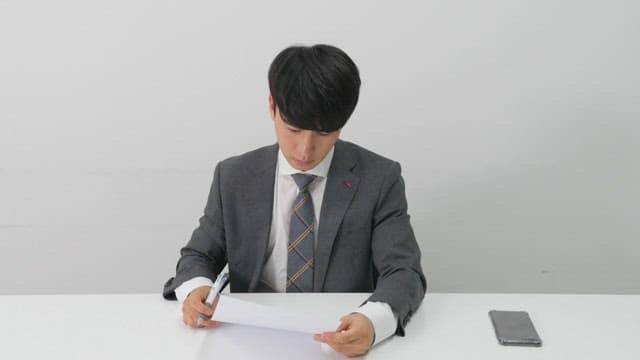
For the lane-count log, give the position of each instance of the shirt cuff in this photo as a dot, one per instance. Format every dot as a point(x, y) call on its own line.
point(188, 286)
point(382, 317)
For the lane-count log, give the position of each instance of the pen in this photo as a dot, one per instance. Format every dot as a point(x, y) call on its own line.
point(221, 281)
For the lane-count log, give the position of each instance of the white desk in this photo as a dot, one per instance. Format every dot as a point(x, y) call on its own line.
point(447, 326)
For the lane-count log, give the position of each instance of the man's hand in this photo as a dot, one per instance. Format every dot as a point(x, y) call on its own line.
point(194, 305)
point(352, 338)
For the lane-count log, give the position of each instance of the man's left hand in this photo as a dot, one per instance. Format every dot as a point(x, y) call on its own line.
point(353, 337)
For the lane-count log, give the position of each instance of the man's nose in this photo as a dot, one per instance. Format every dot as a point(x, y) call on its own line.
point(307, 144)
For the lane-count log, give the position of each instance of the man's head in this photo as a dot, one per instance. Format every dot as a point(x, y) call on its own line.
point(314, 91)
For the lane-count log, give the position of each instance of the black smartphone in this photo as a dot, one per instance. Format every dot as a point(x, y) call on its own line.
point(514, 328)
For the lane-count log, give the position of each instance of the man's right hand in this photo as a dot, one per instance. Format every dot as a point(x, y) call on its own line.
point(194, 305)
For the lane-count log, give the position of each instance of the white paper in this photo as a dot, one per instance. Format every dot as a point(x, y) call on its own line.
point(236, 311)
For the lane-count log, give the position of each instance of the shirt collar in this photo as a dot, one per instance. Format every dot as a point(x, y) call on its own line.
point(320, 170)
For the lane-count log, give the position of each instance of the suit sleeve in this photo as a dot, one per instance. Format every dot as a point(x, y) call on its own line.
point(205, 253)
point(395, 252)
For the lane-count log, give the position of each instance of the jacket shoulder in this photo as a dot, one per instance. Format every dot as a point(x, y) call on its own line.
point(369, 161)
point(251, 160)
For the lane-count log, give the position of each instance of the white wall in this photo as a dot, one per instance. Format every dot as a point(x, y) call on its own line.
point(517, 124)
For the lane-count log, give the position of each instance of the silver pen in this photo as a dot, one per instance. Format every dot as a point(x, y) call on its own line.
point(221, 281)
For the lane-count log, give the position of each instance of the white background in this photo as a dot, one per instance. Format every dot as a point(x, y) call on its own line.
point(516, 122)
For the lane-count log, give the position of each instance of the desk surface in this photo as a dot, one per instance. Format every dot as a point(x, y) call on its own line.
point(451, 326)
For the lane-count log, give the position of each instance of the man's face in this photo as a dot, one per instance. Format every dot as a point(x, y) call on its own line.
point(303, 149)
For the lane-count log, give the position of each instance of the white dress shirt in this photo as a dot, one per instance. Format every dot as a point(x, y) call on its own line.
point(274, 273)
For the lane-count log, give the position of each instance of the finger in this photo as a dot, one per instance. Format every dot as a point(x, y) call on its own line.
point(201, 308)
point(322, 337)
point(188, 308)
point(187, 314)
point(336, 347)
point(349, 334)
point(204, 309)
point(191, 320)
point(349, 338)
point(354, 349)
point(330, 337)
point(195, 322)
point(337, 339)
point(348, 322)
point(344, 325)
point(190, 315)
point(210, 324)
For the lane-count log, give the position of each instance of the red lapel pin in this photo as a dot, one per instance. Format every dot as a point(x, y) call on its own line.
point(347, 184)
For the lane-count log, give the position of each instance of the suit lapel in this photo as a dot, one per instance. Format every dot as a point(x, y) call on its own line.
point(341, 186)
point(258, 198)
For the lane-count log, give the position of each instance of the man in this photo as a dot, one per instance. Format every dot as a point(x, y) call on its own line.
point(310, 213)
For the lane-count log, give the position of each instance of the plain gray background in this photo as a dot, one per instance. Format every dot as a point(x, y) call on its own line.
point(516, 122)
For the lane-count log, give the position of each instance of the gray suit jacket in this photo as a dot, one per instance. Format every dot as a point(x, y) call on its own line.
point(365, 242)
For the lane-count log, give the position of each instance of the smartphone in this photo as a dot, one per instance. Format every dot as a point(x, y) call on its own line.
point(514, 328)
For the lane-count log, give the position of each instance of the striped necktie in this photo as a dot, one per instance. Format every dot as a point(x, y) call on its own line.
point(301, 238)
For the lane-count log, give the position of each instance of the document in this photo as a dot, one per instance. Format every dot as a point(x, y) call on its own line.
point(236, 311)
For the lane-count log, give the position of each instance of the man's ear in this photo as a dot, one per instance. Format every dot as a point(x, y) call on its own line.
point(272, 108)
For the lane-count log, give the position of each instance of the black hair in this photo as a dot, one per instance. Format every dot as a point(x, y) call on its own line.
point(314, 87)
